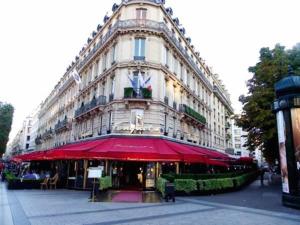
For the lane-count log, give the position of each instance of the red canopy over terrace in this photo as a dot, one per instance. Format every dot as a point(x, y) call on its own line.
point(131, 149)
point(244, 160)
point(134, 149)
point(213, 154)
point(73, 151)
point(187, 154)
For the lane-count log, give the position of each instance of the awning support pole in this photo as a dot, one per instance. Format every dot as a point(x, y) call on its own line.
point(85, 165)
point(157, 170)
point(177, 167)
point(106, 167)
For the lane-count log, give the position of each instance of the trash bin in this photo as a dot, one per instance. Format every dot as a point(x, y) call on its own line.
point(169, 192)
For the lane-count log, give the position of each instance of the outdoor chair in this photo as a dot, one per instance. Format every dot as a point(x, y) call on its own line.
point(45, 183)
point(53, 181)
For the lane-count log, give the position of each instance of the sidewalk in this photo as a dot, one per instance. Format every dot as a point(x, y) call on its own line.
point(5, 211)
point(255, 204)
point(255, 196)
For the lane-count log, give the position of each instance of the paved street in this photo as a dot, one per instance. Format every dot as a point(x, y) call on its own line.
point(252, 205)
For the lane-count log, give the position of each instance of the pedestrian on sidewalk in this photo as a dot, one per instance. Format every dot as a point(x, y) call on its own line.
point(262, 175)
point(270, 175)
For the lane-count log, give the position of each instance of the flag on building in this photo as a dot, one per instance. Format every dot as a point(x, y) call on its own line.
point(141, 80)
point(76, 76)
point(131, 81)
point(148, 84)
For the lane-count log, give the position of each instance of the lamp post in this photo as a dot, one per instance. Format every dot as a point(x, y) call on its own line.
point(287, 110)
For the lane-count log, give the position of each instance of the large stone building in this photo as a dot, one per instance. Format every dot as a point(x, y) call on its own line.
point(141, 75)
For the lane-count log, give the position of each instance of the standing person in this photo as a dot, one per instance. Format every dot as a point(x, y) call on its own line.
point(115, 177)
point(270, 175)
point(1, 169)
point(262, 175)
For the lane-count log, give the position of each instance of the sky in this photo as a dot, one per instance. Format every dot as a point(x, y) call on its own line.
point(39, 40)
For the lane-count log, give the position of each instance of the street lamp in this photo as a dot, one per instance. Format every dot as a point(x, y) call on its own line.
point(287, 110)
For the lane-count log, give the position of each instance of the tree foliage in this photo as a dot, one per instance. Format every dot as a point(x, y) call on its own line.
point(257, 117)
point(6, 116)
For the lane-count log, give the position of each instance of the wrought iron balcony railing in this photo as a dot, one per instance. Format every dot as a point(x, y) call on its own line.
point(141, 58)
point(93, 104)
point(38, 140)
point(61, 125)
point(192, 113)
point(47, 134)
point(166, 100)
point(111, 97)
point(140, 93)
point(174, 105)
point(227, 125)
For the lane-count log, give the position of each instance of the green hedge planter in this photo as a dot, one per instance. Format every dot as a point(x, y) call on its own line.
point(160, 185)
point(105, 183)
point(171, 177)
point(17, 183)
point(211, 183)
point(215, 184)
point(185, 185)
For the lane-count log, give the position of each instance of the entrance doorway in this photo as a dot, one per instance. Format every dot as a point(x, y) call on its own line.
point(128, 175)
point(132, 175)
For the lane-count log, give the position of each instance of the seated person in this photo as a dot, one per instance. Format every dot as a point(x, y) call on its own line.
point(42, 174)
point(37, 176)
point(47, 174)
point(29, 176)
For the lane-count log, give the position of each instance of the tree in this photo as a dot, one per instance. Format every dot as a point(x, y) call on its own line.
point(6, 116)
point(257, 117)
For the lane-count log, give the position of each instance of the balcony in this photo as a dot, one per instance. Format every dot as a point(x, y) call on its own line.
point(62, 125)
point(48, 134)
point(191, 115)
point(139, 58)
point(140, 93)
point(166, 100)
point(91, 106)
point(38, 140)
point(228, 137)
point(111, 97)
point(227, 125)
point(174, 105)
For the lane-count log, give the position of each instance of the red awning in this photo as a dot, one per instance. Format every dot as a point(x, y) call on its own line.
point(211, 153)
point(187, 153)
point(32, 156)
point(16, 159)
point(135, 149)
point(131, 148)
point(73, 151)
point(244, 160)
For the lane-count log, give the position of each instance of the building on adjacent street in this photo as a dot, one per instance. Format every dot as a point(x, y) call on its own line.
point(239, 139)
point(34, 128)
point(21, 142)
